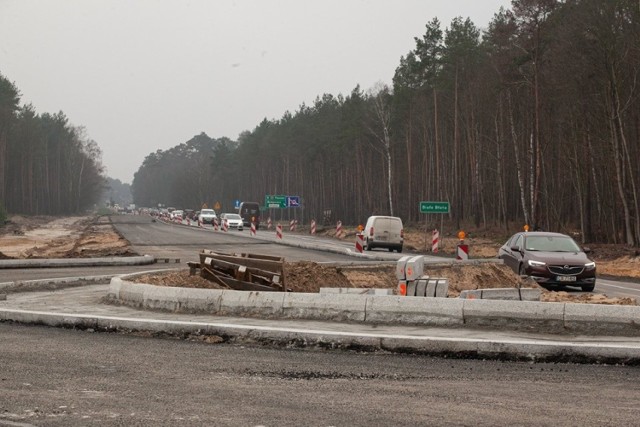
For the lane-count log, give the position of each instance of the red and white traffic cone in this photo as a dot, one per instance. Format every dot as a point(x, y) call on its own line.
point(279, 231)
point(313, 226)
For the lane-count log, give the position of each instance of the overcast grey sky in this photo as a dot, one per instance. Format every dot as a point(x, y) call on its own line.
point(143, 75)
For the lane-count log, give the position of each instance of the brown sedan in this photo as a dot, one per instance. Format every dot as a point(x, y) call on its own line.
point(549, 259)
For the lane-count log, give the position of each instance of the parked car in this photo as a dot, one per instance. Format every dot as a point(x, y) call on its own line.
point(384, 232)
point(233, 220)
point(207, 216)
point(549, 259)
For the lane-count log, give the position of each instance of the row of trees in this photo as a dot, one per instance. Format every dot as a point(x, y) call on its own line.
point(47, 166)
point(534, 120)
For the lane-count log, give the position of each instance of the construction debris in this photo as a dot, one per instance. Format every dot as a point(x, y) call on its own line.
point(242, 272)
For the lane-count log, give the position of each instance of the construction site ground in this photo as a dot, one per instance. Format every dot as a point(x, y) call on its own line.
point(91, 236)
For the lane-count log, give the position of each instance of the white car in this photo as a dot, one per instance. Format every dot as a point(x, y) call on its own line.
point(207, 216)
point(177, 215)
point(233, 220)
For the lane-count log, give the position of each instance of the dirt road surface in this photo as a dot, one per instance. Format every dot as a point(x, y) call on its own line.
point(92, 236)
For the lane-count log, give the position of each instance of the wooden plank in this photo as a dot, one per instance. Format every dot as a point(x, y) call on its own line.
point(247, 286)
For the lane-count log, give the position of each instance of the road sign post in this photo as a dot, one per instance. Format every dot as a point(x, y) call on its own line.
point(433, 207)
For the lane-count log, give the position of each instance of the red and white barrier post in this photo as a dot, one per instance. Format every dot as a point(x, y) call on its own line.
point(359, 242)
point(269, 223)
point(292, 225)
point(225, 225)
point(215, 224)
point(462, 251)
point(339, 229)
point(199, 222)
point(279, 231)
point(435, 239)
point(313, 226)
point(253, 229)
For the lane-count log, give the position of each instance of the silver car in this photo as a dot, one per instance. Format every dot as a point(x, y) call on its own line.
point(233, 220)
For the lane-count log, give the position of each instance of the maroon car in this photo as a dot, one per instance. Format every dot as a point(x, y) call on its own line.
point(549, 259)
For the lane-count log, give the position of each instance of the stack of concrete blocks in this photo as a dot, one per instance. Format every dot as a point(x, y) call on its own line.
point(411, 277)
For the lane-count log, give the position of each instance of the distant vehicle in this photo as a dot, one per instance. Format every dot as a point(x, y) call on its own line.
point(250, 212)
point(207, 216)
point(549, 259)
point(233, 220)
point(177, 214)
point(384, 232)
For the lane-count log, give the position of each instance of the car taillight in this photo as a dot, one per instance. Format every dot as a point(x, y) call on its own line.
point(371, 231)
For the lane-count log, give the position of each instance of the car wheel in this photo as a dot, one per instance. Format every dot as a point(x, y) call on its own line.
point(367, 246)
point(588, 288)
point(400, 250)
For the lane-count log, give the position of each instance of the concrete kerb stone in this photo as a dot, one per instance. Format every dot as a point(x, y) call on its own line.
point(520, 315)
point(590, 318)
point(251, 303)
point(415, 311)
point(335, 307)
point(52, 284)
point(76, 262)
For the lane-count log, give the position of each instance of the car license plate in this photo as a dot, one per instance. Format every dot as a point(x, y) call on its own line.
point(566, 278)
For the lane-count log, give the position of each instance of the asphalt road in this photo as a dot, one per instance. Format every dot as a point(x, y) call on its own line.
point(58, 377)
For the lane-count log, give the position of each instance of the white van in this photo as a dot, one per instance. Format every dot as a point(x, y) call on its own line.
point(383, 232)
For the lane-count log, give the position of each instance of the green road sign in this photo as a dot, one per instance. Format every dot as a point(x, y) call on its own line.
point(275, 201)
point(434, 207)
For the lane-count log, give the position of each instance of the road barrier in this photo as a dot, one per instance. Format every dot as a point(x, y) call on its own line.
point(292, 225)
point(225, 225)
point(462, 252)
point(435, 238)
point(269, 223)
point(215, 224)
point(253, 229)
point(313, 226)
point(339, 229)
point(359, 242)
point(279, 231)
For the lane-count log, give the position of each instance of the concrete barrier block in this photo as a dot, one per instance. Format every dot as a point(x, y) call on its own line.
point(431, 288)
point(334, 307)
point(411, 288)
point(400, 268)
point(442, 288)
point(605, 319)
point(518, 315)
point(251, 303)
point(415, 311)
point(414, 268)
point(421, 288)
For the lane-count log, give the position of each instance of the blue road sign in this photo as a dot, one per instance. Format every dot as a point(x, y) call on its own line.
point(293, 201)
point(237, 203)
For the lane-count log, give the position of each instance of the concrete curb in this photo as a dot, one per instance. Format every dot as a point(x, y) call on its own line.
point(52, 284)
point(546, 317)
point(76, 262)
point(499, 348)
